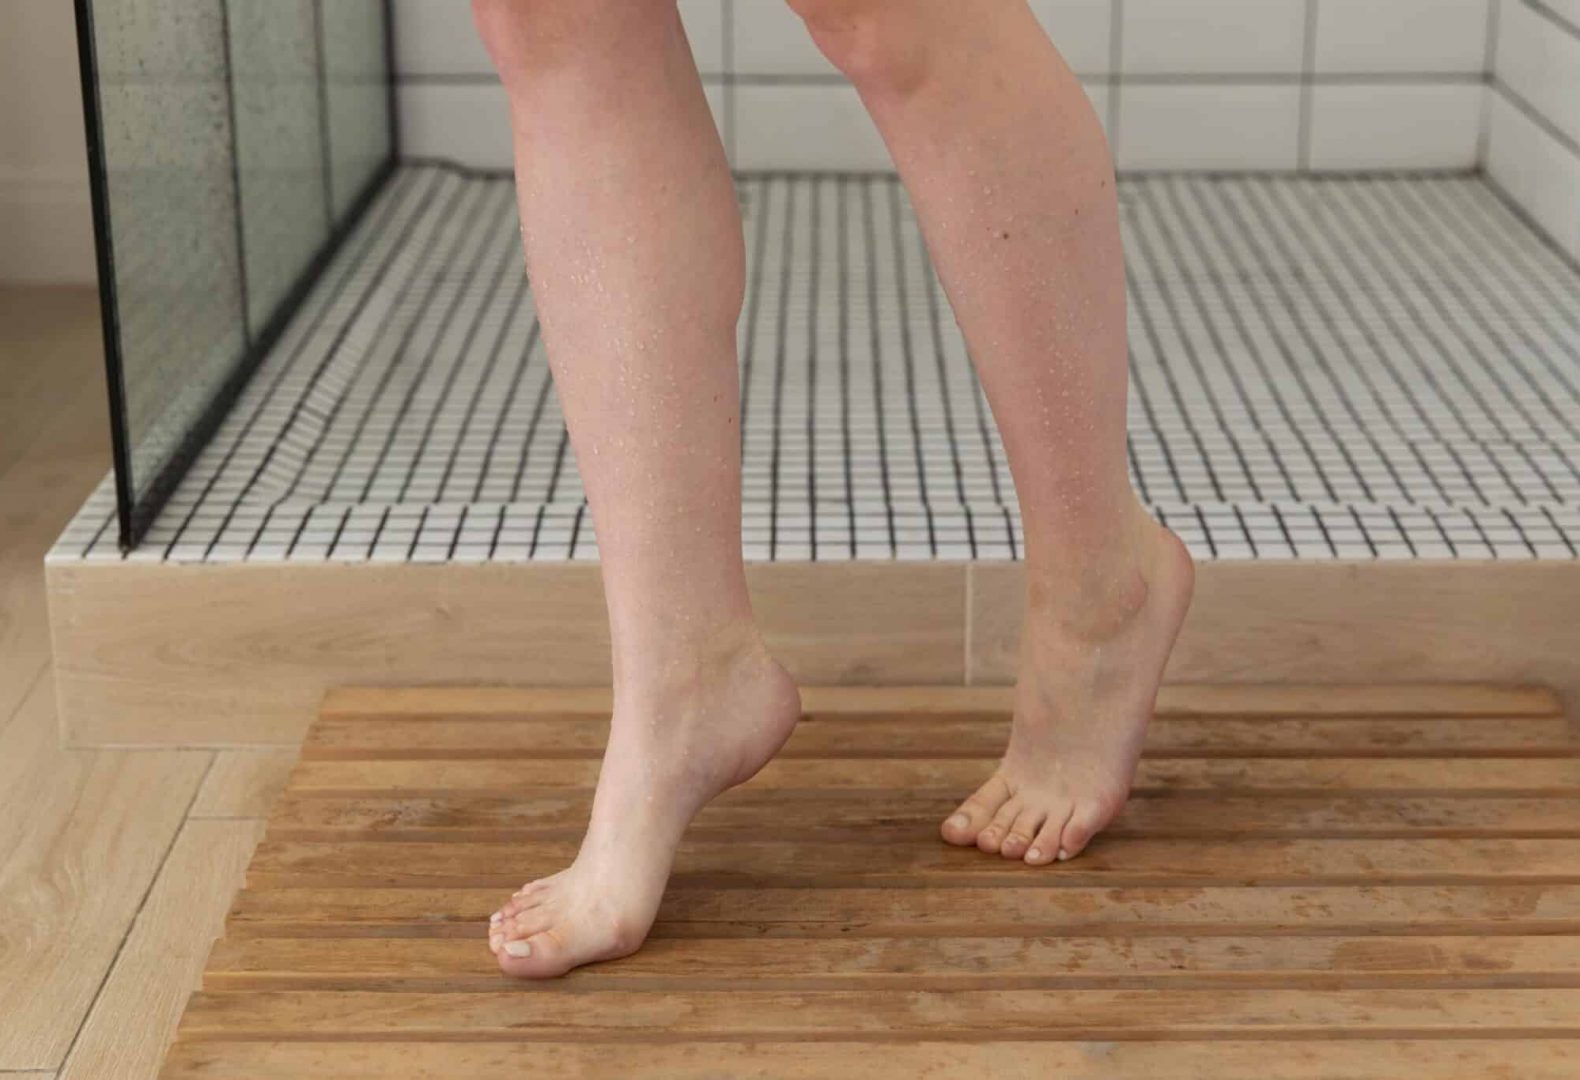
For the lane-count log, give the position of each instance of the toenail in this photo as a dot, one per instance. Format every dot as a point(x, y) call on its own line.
point(959, 821)
point(1034, 854)
point(518, 949)
point(1063, 855)
point(496, 918)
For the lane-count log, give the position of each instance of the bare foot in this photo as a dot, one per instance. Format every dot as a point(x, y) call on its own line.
point(671, 748)
point(1088, 681)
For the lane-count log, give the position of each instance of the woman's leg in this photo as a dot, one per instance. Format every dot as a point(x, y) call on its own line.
point(1010, 173)
point(634, 247)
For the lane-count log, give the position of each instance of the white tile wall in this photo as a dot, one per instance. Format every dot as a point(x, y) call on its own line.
point(1212, 37)
point(1538, 60)
point(1083, 30)
point(1401, 36)
point(769, 39)
point(1209, 127)
point(1395, 127)
point(1533, 135)
point(469, 122)
point(1217, 84)
point(805, 127)
point(437, 38)
point(1537, 171)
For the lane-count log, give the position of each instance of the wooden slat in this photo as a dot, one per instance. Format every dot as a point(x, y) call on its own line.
point(1457, 1059)
point(913, 817)
point(1394, 867)
point(956, 963)
point(958, 911)
point(513, 1015)
point(739, 864)
point(1360, 776)
point(980, 736)
point(1249, 699)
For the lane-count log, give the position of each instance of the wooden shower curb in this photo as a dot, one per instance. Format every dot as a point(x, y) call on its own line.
point(223, 655)
point(1335, 882)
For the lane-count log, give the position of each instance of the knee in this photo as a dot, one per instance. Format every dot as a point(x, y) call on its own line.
point(527, 36)
point(880, 45)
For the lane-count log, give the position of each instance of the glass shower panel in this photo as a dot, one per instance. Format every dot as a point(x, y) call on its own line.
point(168, 175)
point(358, 108)
point(231, 144)
point(281, 171)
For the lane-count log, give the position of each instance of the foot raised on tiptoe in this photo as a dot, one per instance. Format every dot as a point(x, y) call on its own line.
point(674, 744)
point(1088, 680)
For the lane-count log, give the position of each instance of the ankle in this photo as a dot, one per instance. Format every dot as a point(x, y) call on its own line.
point(680, 669)
point(1095, 591)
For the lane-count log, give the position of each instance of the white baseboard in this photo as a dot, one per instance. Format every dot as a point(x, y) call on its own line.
point(46, 229)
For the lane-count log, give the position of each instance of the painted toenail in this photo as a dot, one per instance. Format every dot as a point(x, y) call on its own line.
point(959, 821)
point(518, 949)
point(1034, 854)
point(1063, 855)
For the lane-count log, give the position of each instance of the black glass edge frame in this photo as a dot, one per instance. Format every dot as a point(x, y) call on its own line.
point(134, 515)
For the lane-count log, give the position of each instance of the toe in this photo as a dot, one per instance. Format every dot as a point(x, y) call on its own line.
point(967, 822)
point(522, 899)
point(991, 838)
point(1085, 822)
point(1045, 845)
point(541, 956)
point(1021, 831)
point(533, 921)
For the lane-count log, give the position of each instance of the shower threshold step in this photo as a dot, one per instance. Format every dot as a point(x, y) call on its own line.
point(178, 654)
point(1356, 399)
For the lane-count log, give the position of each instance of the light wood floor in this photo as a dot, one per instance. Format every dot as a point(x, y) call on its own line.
point(116, 867)
point(1336, 883)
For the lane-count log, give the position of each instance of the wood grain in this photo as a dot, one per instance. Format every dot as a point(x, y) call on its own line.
point(243, 783)
point(956, 911)
point(954, 963)
point(928, 862)
point(136, 1013)
point(1454, 1059)
point(1360, 777)
point(1429, 700)
point(82, 841)
point(906, 816)
point(1371, 621)
point(1351, 882)
point(261, 643)
point(510, 1015)
point(982, 736)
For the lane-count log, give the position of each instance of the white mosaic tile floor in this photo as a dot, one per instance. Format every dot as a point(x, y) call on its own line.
point(1322, 368)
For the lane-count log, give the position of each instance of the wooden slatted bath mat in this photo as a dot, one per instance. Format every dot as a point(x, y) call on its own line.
point(1308, 882)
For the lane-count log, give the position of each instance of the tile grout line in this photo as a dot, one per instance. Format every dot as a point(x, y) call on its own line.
point(1308, 63)
point(1489, 75)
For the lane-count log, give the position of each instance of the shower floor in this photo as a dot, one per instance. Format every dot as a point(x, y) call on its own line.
point(1322, 368)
